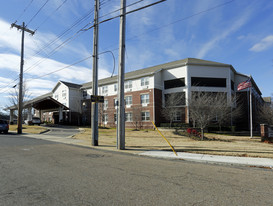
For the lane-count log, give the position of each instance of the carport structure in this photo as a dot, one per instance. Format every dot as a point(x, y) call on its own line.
point(44, 103)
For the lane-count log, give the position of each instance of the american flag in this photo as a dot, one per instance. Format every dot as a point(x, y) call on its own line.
point(244, 85)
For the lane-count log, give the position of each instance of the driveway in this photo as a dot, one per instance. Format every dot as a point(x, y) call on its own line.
point(62, 131)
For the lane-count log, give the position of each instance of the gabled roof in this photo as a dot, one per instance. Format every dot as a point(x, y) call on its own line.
point(26, 103)
point(72, 85)
point(68, 84)
point(152, 70)
point(44, 102)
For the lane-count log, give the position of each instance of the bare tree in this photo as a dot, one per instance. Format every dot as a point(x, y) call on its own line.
point(136, 117)
point(201, 109)
point(226, 110)
point(101, 114)
point(173, 103)
point(266, 114)
point(14, 97)
point(205, 107)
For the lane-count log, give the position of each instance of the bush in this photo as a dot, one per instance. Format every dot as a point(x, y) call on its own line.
point(194, 132)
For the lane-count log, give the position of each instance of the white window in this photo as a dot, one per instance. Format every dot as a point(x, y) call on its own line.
point(64, 94)
point(105, 117)
point(128, 117)
point(145, 81)
point(104, 89)
point(115, 87)
point(128, 100)
point(105, 104)
point(145, 116)
point(56, 96)
point(128, 84)
point(177, 117)
point(115, 102)
point(144, 98)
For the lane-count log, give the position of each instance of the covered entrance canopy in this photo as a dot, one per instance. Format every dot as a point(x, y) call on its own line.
point(43, 103)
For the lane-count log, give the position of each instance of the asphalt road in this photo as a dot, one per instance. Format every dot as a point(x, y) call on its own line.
point(38, 172)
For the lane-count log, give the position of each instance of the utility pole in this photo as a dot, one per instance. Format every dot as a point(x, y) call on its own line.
point(121, 114)
point(94, 109)
point(20, 99)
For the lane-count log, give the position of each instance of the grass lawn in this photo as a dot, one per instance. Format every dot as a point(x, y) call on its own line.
point(33, 129)
point(151, 140)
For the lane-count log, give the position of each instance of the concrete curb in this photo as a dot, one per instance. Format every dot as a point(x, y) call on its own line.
point(231, 160)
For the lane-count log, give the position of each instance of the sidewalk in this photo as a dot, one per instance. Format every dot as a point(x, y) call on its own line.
point(219, 159)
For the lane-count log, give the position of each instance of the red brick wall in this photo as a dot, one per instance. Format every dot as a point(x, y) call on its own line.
point(136, 105)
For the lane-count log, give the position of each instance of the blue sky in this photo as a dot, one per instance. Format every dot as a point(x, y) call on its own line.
point(236, 32)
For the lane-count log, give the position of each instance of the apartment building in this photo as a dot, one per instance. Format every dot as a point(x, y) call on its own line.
point(145, 94)
point(147, 89)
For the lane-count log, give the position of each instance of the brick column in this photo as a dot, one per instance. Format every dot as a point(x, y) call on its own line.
point(264, 132)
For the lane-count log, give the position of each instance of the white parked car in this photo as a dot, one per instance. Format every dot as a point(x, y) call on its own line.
point(35, 120)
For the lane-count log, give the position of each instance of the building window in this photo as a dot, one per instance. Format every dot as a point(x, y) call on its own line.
point(115, 117)
point(104, 89)
point(145, 81)
point(128, 84)
point(208, 82)
point(105, 104)
point(84, 94)
point(56, 96)
point(177, 117)
point(145, 116)
point(128, 117)
point(144, 99)
point(64, 94)
point(115, 102)
point(174, 83)
point(115, 87)
point(105, 117)
point(128, 100)
point(175, 99)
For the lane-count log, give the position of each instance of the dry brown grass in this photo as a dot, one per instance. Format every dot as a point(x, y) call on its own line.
point(33, 129)
point(151, 140)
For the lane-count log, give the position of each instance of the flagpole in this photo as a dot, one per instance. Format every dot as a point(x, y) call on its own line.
point(250, 110)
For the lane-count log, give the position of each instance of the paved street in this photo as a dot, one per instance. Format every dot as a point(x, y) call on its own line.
point(39, 172)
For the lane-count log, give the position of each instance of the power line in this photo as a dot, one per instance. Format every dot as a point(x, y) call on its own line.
point(63, 33)
point(120, 8)
point(78, 21)
point(37, 12)
point(129, 12)
point(55, 50)
point(183, 19)
point(45, 20)
point(25, 9)
point(39, 77)
point(171, 23)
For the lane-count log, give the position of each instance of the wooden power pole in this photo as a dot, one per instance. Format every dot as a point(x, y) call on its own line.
point(20, 99)
point(121, 69)
point(94, 109)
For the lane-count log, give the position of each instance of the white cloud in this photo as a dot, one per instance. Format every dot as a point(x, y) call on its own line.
point(263, 45)
point(233, 26)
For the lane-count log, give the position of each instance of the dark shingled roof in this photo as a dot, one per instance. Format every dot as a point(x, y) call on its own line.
point(72, 85)
point(154, 69)
point(29, 102)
